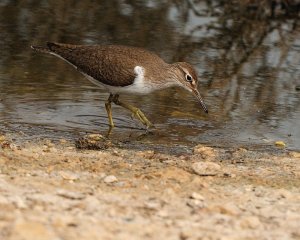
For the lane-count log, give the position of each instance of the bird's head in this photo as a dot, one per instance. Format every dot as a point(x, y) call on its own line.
point(187, 78)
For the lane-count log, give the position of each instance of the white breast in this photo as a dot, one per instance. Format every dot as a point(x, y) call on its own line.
point(138, 86)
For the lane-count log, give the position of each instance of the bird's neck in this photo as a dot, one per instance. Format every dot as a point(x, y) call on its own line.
point(170, 75)
point(164, 77)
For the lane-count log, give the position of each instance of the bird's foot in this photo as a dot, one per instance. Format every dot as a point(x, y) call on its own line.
point(137, 113)
point(109, 131)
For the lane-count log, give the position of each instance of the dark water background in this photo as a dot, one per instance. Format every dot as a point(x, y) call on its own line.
point(248, 63)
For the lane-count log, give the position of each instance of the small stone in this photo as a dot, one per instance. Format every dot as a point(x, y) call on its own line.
point(2, 138)
point(195, 203)
point(249, 188)
point(146, 154)
point(70, 195)
point(46, 148)
point(206, 168)
point(8, 145)
point(153, 205)
point(184, 157)
point(294, 154)
point(241, 150)
point(110, 179)
point(229, 209)
point(230, 175)
point(121, 184)
point(96, 137)
point(197, 196)
point(239, 154)
point(63, 141)
point(93, 142)
point(205, 152)
point(163, 213)
point(49, 144)
point(280, 144)
point(69, 175)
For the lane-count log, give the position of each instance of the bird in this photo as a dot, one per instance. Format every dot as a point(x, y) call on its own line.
point(124, 69)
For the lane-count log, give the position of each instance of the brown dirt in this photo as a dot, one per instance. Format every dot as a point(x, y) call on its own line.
point(54, 191)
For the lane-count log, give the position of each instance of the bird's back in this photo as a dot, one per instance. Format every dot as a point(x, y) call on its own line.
point(112, 65)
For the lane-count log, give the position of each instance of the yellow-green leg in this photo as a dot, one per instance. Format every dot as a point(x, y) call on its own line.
point(109, 114)
point(135, 111)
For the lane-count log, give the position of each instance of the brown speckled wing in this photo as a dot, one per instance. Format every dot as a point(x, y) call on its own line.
point(111, 65)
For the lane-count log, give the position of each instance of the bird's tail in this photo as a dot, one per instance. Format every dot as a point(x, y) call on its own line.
point(41, 49)
point(50, 48)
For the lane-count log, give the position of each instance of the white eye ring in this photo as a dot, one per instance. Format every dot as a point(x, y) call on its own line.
point(188, 78)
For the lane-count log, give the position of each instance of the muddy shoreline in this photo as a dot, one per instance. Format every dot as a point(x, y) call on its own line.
point(52, 190)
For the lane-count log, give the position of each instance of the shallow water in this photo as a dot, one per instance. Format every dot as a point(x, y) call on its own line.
point(249, 70)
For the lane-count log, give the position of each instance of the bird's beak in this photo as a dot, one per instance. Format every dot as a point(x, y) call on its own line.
point(197, 95)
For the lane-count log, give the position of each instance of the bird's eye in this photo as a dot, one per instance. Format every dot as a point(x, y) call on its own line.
point(188, 77)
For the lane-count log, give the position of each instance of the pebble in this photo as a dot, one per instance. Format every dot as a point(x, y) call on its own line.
point(163, 213)
point(62, 141)
point(206, 168)
point(69, 175)
point(197, 196)
point(122, 184)
point(294, 154)
point(230, 175)
point(96, 137)
point(205, 152)
point(195, 203)
point(145, 154)
point(153, 205)
point(70, 195)
point(49, 144)
point(93, 142)
point(2, 138)
point(228, 209)
point(280, 144)
point(110, 179)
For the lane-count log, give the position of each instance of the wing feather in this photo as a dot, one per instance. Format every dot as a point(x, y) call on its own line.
point(107, 64)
